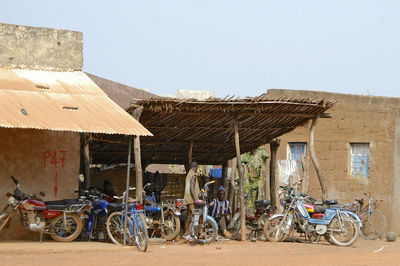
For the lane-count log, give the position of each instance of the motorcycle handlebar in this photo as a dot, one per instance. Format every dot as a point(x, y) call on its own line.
point(15, 180)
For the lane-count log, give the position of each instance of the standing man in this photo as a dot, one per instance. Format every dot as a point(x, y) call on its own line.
point(192, 192)
point(221, 211)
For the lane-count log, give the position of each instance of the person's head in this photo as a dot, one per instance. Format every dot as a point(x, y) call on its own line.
point(194, 166)
point(107, 186)
point(221, 193)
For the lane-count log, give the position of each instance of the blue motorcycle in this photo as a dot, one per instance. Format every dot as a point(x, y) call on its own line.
point(339, 227)
point(98, 214)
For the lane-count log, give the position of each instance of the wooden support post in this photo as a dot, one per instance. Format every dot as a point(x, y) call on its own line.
point(315, 160)
point(232, 188)
point(266, 189)
point(190, 157)
point(241, 177)
point(272, 169)
point(138, 158)
point(225, 176)
point(86, 159)
point(138, 168)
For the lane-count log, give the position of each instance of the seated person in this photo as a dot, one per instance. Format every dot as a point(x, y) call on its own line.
point(220, 210)
point(108, 191)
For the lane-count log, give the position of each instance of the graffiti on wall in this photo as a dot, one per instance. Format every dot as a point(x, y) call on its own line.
point(56, 160)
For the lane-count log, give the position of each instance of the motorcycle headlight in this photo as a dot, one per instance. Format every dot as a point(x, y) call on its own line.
point(13, 201)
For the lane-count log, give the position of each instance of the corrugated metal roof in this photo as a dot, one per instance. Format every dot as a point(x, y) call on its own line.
point(66, 101)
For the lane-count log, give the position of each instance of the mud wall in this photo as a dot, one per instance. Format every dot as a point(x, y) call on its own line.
point(42, 161)
point(354, 119)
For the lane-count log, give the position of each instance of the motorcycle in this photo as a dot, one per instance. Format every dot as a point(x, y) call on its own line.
point(97, 217)
point(256, 222)
point(161, 219)
point(335, 223)
point(203, 230)
point(60, 218)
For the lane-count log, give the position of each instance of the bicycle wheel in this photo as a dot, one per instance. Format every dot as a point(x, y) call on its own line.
point(140, 232)
point(115, 228)
point(373, 224)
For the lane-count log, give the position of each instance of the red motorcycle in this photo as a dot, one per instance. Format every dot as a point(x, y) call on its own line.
point(253, 222)
point(60, 218)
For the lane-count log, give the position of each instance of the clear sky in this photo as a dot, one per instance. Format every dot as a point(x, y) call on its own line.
point(233, 47)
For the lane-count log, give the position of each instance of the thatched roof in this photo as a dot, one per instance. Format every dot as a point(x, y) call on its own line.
point(176, 122)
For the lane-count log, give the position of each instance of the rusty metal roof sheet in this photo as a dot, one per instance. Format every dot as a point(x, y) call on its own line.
point(65, 101)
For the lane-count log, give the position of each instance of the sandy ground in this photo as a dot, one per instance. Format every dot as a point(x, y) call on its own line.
point(376, 252)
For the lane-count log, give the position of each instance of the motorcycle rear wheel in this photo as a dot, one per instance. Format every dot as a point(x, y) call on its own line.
point(350, 232)
point(61, 234)
point(171, 227)
point(271, 229)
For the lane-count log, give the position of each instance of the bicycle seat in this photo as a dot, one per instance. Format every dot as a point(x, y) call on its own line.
point(360, 200)
point(330, 202)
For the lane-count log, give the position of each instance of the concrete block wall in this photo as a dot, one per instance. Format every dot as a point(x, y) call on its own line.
point(40, 48)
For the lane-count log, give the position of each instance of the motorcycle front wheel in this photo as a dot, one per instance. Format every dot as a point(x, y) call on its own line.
point(273, 229)
point(171, 227)
point(65, 232)
point(208, 232)
point(344, 235)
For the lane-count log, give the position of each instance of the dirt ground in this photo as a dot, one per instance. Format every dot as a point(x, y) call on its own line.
point(376, 252)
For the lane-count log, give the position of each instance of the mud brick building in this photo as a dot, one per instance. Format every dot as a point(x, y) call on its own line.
point(358, 149)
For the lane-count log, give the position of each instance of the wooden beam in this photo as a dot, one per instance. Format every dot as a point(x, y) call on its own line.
point(241, 176)
point(272, 171)
point(216, 128)
point(315, 160)
point(223, 113)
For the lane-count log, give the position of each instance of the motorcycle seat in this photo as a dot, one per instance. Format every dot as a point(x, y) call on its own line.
point(199, 203)
point(62, 202)
point(262, 203)
point(59, 205)
point(330, 202)
point(114, 207)
point(320, 208)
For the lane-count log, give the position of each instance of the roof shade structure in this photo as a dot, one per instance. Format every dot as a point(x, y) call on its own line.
point(175, 123)
point(61, 101)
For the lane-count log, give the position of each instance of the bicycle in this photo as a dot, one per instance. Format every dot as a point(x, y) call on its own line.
point(374, 222)
point(136, 225)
